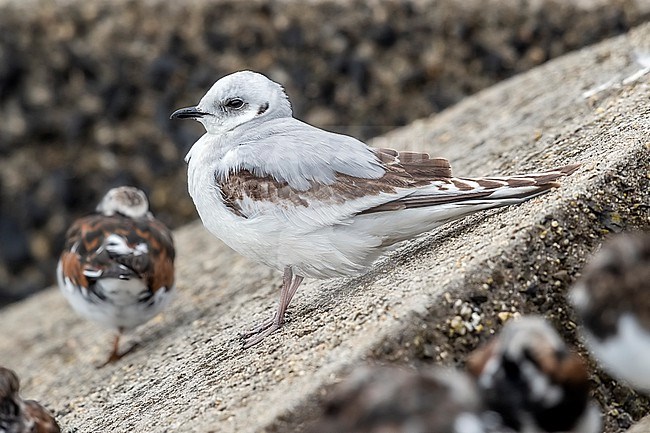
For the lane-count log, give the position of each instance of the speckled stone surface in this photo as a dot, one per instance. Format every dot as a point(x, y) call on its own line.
point(189, 374)
point(86, 87)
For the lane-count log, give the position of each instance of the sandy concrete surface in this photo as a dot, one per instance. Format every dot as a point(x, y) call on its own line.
point(190, 375)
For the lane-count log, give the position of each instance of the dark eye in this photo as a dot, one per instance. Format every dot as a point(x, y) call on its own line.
point(235, 103)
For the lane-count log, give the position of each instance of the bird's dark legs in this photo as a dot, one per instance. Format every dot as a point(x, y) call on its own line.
point(290, 284)
point(115, 354)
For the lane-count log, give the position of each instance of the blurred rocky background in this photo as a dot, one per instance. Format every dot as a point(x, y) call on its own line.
point(86, 87)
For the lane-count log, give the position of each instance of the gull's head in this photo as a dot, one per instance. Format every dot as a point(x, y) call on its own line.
point(124, 200)
point(237, 99)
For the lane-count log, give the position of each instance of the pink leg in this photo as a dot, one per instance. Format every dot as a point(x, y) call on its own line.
point(290, 285)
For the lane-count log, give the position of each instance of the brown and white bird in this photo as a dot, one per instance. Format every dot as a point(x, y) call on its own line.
point(612, 300)
point(117, 266)
point(529, 376)
point(18, 415)
point(311, 203)
point(395, 400)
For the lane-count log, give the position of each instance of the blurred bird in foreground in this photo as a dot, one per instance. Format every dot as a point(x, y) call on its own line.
point(117, 266)
point(612, 300)
point(18, 415)
point(529, 376)
point(395, 400)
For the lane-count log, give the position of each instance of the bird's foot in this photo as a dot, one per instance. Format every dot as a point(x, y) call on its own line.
point(261, 331)
point(116, 356)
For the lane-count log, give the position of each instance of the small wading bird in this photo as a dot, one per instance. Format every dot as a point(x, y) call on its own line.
point(117, 266)
point(529, 376)
point(613, 300)
point(312, 203)
point(392, 399)
point(18, 415)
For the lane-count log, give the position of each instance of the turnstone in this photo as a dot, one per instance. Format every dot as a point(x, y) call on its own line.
point(18, 415)
point(392, 399)
point(311, 203)
point(613, 301)
point(529, 376)
point(117, 266)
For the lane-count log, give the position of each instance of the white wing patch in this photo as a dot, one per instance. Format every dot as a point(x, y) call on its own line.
point(117, 245)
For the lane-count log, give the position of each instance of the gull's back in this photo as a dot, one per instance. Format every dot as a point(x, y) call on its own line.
point(300, 154)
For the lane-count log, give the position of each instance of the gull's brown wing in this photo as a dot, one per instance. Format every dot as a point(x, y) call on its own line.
point(429, 180)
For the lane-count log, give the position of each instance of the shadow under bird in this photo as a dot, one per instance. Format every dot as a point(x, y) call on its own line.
point(612, 300)
point(117, 266)
point(311, 203)
point(18, 415)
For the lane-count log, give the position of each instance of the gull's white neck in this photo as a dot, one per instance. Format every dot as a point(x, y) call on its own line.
point(203, 160)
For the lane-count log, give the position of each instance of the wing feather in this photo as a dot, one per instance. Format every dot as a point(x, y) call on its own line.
point(411, 180)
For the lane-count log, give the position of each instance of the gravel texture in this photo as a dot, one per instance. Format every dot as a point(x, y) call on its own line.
point(189, 374)
point(86, 88)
